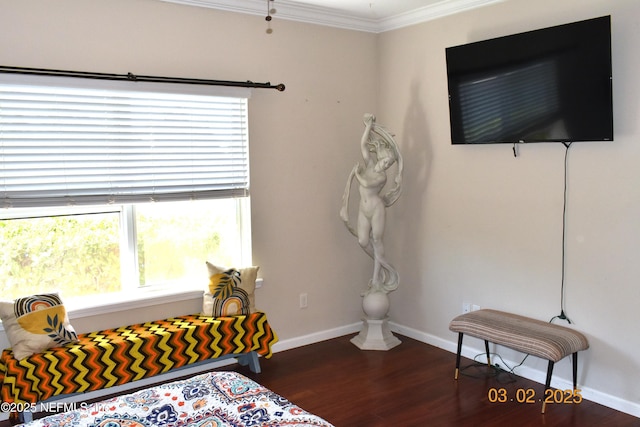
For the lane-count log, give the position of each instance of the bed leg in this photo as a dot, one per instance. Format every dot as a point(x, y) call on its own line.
point(20, 417)
point(251, 360)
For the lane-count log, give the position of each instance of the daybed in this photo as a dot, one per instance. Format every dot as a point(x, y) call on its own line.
point(48, 360)
point(112, 357)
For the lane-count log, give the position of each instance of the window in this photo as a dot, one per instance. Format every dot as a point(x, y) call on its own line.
point(109, 188)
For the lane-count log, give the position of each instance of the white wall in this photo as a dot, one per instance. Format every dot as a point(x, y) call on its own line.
point(473, 224)
point(298, 138)
point(477, 225)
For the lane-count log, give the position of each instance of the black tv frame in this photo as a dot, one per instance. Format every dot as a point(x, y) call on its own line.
point(577, 56)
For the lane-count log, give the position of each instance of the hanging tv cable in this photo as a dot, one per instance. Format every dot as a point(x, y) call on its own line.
point(562, 314)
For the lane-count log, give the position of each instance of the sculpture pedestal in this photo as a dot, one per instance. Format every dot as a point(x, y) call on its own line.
point(375, 335)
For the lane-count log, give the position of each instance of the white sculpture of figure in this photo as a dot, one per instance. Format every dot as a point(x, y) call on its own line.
point(379, 152)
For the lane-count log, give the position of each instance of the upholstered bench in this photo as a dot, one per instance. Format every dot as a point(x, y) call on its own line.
point(535, 337)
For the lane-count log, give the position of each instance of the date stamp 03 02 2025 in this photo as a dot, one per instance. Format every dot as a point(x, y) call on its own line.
point(528, 395)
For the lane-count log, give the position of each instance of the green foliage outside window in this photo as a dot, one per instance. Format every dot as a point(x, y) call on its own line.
point(175, 240)
point(81, 254)
point(77, 255)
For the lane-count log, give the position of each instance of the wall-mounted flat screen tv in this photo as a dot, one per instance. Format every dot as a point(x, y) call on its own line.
point(547, 85)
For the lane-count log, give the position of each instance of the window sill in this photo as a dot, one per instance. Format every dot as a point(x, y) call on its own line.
point(110, 303)
point(94, 305)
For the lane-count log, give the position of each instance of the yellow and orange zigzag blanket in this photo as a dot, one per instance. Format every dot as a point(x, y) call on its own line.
point(118, 356)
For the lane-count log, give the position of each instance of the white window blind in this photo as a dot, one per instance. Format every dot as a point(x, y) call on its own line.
point(76, 142)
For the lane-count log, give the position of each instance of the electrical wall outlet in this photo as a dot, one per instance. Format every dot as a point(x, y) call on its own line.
point(466, 307)
point(475, 307)
point(303, 300)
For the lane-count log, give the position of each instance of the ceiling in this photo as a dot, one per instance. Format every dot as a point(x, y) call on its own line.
point(363, 15)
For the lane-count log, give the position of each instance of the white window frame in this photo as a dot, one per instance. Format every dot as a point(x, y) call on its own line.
point(136, 296)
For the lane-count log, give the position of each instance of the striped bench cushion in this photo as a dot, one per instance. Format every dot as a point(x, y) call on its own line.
point(535, 337)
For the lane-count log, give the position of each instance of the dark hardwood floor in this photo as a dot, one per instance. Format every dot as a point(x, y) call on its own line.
point(412, 385)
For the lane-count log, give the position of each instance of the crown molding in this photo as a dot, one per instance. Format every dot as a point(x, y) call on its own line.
point(289, 11)
point(431, 12)
point(293, 11)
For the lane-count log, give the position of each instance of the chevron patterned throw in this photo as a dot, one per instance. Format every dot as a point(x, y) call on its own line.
point(118, 356)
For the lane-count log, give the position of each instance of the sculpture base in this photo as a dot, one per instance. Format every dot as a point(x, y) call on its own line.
point(375, 335)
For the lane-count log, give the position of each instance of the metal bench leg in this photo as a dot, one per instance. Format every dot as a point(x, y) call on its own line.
point(486, 348)
point(458, 355)
point(547, 385)
point(575, 370)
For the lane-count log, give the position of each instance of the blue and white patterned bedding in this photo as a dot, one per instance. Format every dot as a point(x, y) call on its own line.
point(214, 399)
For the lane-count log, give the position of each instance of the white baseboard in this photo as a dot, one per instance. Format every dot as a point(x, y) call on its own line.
point(626, 406)
point(315, 337)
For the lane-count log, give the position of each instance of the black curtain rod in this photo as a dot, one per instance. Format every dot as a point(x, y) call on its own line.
point(135, 78)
